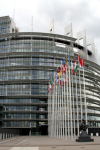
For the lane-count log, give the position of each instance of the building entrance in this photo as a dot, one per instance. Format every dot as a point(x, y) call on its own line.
point(24, 131)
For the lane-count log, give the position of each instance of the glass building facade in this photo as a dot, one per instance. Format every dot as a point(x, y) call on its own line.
point(27, 63)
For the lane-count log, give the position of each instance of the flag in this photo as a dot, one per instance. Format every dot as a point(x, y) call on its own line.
point(61, 68)
point(80, 61)
point(64, 67)
point(56, 77)
point(55, 88)
point(73, 68)
point(50, 85)
point(75, 65)
point(83, 63)
point(67, 64)
point(61, 83)
point(59, 73)
point(69, 61)
point(67, 77)
point(52, 80)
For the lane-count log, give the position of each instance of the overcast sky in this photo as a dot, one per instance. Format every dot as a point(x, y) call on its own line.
point(83, 14)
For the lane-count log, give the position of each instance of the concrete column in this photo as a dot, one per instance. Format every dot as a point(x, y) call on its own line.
point(82, 35)
point(8, 135)
point(6, 89)
point(3, 135)
point(30, 132)
point(0, 136)
point(68, 30)
point(51, 26)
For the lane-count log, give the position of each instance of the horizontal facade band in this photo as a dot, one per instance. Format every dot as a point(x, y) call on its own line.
point(29, 67)
point(43, 36)
point(24, 81)
point(24, 96)
point(36, 35)
point(25, 119)
point(46, 104)
point(42, 125)
point(26, 111)
point(27, 104)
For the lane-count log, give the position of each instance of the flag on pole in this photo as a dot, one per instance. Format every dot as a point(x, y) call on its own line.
point(53, 85)
point(73, 68)
point(69, 61)
point(64, 66)
point(59, 73)
point(67, 77)
point(83, 63)
point(56, 77)
point(50, 85)
point(80, 61)
point(75, 65)
point(67, 64)
point(61, 83)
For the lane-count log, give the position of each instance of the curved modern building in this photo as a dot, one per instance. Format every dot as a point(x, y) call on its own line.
point(28, 60)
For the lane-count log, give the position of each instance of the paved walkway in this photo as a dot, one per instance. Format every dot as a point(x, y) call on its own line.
point(46, 143)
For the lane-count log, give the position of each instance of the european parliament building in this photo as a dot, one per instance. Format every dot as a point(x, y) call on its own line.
point(28, 61)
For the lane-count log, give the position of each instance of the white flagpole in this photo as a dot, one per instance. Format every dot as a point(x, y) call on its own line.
point(60, 115)
point(85, 98)
point(49, 111)
point(56, 111)
point(77, 107)
point(63, 110)
point(73, 108)
point(70, 105)
point(80, 92)
point(59, 108)
point(54, 108)
point(65, 107)
point(51, 114)
point(65, 104)
point(60, 104)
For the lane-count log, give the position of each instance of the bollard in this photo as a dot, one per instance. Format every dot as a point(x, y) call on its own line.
point(6, 136)
point(91, 134)
point(97, 134)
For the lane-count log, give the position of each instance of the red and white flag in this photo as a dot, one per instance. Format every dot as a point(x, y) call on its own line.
point(73, 68)
point(80, 61)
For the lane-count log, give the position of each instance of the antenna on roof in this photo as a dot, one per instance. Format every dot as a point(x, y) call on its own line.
point(32, 25)
point(14, 12)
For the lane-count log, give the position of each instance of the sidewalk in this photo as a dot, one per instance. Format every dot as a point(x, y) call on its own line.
point(44, 141)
